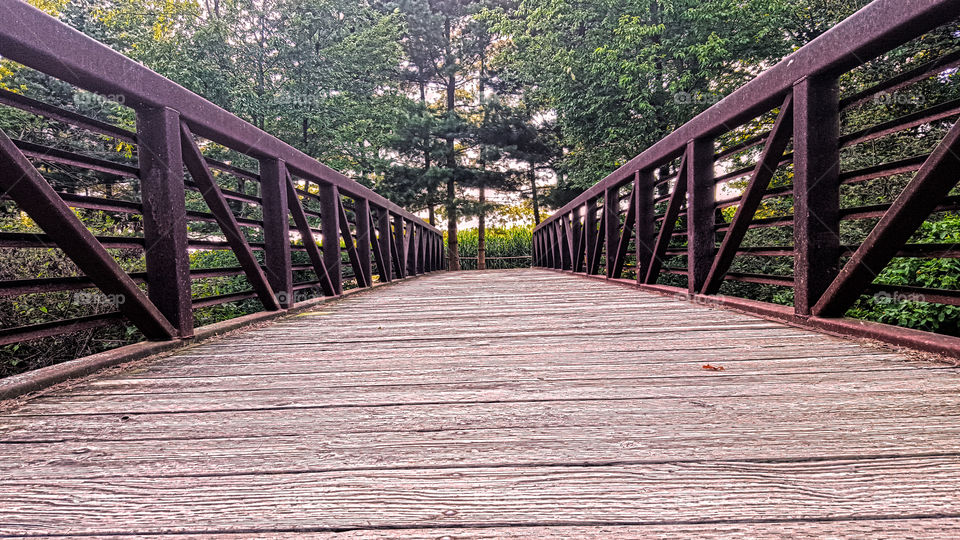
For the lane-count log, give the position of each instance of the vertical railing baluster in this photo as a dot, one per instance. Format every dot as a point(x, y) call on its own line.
point(548, 244)
point(577, 232)
point(163, 196)
point(330, 233)
point(421, 249)
point(644, 232)
point(400, 241)
point(362, 214)
point(558, 244)
point(411, 248)
point(701, 212)
point(426, 241)
point(276, 229)
point(533, 249)
point(590, 222)
point(611, 221)
point(544, 256)
point(383, 238)
point(816, 183)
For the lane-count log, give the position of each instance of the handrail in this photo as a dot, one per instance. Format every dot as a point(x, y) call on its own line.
point(673, 210)
point(370, 228)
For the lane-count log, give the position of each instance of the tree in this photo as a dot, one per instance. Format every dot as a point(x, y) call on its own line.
point(622, 75)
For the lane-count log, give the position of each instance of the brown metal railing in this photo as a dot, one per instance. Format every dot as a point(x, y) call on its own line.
point(306, 221)
point(660, 215)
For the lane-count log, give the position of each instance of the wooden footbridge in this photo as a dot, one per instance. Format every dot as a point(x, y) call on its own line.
point(623, 387)
point(505, 407)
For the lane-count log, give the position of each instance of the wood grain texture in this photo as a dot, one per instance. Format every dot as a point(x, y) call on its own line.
point(496, 404)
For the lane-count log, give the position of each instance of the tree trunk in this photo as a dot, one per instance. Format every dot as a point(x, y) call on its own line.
point(482, 218)
point(482, 232)
point(533, 193)
point(426, 136)
point(453, 247)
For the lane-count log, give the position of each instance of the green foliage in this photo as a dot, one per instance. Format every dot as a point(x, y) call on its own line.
point(500, 242)
point(621, 75)
point(910, 310)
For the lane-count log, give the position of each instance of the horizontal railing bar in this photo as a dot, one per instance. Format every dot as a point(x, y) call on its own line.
point(746, 171)
point(40, 240)
point(918, 251)
point(893, 84)
point(67, 117)
point(193, 215)
point(924, 251)
point(65, 157)
point(917, 294)
point(18, 287)
point(232, 169)
point(912, 120)
point(55, 328)
point(209, 301)
point(100, 203)
point(756, 140)
point(878, 210)
point(771, 193)
point(907, 165)
point(229, 194)
point(760, 279)
point(497, 258)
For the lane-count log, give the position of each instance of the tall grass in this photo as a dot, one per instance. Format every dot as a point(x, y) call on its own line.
point(501, 242)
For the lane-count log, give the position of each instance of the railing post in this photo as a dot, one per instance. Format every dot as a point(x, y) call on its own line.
point(400, 242)
point(701, 212)
point(411, 248)
point(544, 253)
point(577, 232)
point(164, 216)
point(421, 250)
point(384, 236)
point(533, 249)
point(330, 234)
point(590, 222)
point(544, 257)
point(441, 252)
point(816, 187)
point(426, 244)
point(276, 229)
point(361, 211)
point(544, 249)
point(611, 220)
point(644, 237)
point(548, 246)
point(562, 242)
point(559, 235)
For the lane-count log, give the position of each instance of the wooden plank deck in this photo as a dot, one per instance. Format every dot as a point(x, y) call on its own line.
point(496, 404)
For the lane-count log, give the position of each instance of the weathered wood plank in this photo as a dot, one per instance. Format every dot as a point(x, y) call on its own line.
point(876, 528)
point(671, 492)
point(296, 396)
point(497, 404)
